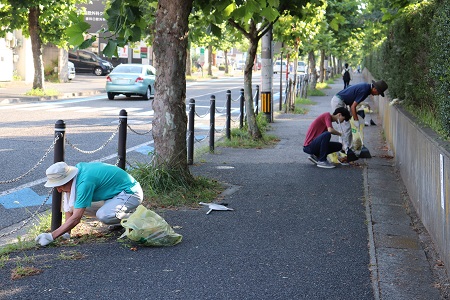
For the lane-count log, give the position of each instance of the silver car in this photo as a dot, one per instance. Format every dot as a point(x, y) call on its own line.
point(131, 80)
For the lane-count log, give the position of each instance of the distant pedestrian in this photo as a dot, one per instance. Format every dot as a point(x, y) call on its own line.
point(352, 96)
point(346, 76)
point(86, 183)
point(317, 142)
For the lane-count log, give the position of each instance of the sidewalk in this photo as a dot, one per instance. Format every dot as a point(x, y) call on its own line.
point(297, 232)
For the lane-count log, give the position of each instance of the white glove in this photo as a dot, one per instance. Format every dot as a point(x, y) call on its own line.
point(356, 122)
point(44, 239)
point(66, 236)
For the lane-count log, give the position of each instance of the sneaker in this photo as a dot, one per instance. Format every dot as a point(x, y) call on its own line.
point(313, 159)
point(325, 164)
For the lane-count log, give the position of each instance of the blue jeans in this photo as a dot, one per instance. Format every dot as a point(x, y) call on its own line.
point(321, 146)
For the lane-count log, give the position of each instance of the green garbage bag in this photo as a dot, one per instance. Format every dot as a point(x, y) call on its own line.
point(148, 228)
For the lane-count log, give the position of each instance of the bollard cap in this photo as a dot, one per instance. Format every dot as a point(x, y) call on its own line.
point(59, 174)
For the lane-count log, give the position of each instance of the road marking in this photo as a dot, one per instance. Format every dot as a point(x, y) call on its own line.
point(22, 198)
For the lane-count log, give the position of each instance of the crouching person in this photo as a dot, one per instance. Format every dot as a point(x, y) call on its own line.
point(318, 137)
point(86, 183)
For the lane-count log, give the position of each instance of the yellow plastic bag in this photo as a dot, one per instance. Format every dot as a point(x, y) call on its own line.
point(150, 229)
point(357, 134)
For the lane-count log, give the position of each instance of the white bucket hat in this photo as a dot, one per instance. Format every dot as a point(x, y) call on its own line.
point(59, 174)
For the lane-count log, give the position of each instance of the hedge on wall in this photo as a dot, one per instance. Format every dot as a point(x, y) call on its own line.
point(414, 60)
point(440, 63)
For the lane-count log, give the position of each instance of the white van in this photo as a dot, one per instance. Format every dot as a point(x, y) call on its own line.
point(277, 66)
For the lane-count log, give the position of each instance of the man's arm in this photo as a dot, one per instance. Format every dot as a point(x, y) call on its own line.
point(71, 222)
point(334, 131)
point(353, 111)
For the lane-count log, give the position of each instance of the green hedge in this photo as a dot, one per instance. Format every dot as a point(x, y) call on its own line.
point(415, 60)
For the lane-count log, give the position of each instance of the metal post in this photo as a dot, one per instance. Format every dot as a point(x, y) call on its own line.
point(122, 147)
point(281, 81)
point(60, 129)
point(241, 108)
point(228, 121)
point(190, 149)
point(212, 115)
point(257, 99)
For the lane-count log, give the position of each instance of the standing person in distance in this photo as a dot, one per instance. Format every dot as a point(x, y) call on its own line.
point(352, 96)
point(346, 76)
point(317, 142)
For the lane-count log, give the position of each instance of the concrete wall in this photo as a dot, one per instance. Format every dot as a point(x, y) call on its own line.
point(424, 164)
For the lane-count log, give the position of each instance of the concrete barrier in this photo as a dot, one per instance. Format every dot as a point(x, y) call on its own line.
point(423, 160)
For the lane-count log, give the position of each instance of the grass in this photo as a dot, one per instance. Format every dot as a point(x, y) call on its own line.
point(169, 188)
point(240, 138)
point(42, 93)
point(300, 103)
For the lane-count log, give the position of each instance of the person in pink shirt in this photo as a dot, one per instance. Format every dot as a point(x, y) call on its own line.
point(318, 142)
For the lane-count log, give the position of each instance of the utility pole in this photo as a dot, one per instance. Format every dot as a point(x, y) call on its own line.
point(267, 75)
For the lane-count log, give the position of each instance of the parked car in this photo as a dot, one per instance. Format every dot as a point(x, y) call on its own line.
point(240, 64)
point(71, 70)
point(277, 66)
point(131, 79)
point(89, 62)
point(301, 67)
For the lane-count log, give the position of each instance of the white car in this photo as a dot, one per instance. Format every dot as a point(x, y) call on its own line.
point(277, 66)
point(301, 67)
point(71, 70)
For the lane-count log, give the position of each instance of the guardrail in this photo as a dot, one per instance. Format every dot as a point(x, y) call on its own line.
point(121, 130)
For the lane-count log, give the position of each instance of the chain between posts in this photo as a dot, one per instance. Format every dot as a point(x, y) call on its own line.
point(98, 149)
point(37, 164)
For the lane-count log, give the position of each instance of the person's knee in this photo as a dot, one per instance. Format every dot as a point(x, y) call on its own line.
point(327, 135)
point(106, 218)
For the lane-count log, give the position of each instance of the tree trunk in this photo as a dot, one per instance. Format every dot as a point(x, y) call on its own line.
point(312, 67)
point(210, 60)
point(63, 74)
point(36, 47)
point(226, 61)
point(169, 124)
point(188, 61)
point(322, 67)
point(253, 129)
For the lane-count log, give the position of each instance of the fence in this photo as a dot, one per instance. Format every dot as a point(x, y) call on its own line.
point(61, 140)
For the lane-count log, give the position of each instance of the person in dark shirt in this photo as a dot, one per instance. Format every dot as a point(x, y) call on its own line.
point(352, 96)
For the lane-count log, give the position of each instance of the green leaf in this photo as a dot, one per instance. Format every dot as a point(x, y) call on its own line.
point(111, 49)
point(87, 43)
point(334, 24)
point(270, 14)
point(229, 9)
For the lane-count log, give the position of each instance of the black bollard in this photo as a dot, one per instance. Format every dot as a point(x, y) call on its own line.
point(60, 130)
point(228, 121)
point(190, 149)
point(122, 147)
point(241, 107)
point(212, 129)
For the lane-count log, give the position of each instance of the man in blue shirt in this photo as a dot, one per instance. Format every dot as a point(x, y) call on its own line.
point(352, 96)
point(86, 183)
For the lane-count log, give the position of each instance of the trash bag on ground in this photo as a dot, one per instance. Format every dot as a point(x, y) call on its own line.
point(149, 229)
point(357, 133)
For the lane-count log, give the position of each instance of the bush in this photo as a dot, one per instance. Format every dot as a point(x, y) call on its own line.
point(413, 60)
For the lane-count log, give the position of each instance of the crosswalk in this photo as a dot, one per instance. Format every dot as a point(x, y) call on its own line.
point(106, 110)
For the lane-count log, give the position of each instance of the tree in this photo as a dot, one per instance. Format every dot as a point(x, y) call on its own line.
point(253, 19)
point(126, 22)
point(36, 19)
point(169, 124)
